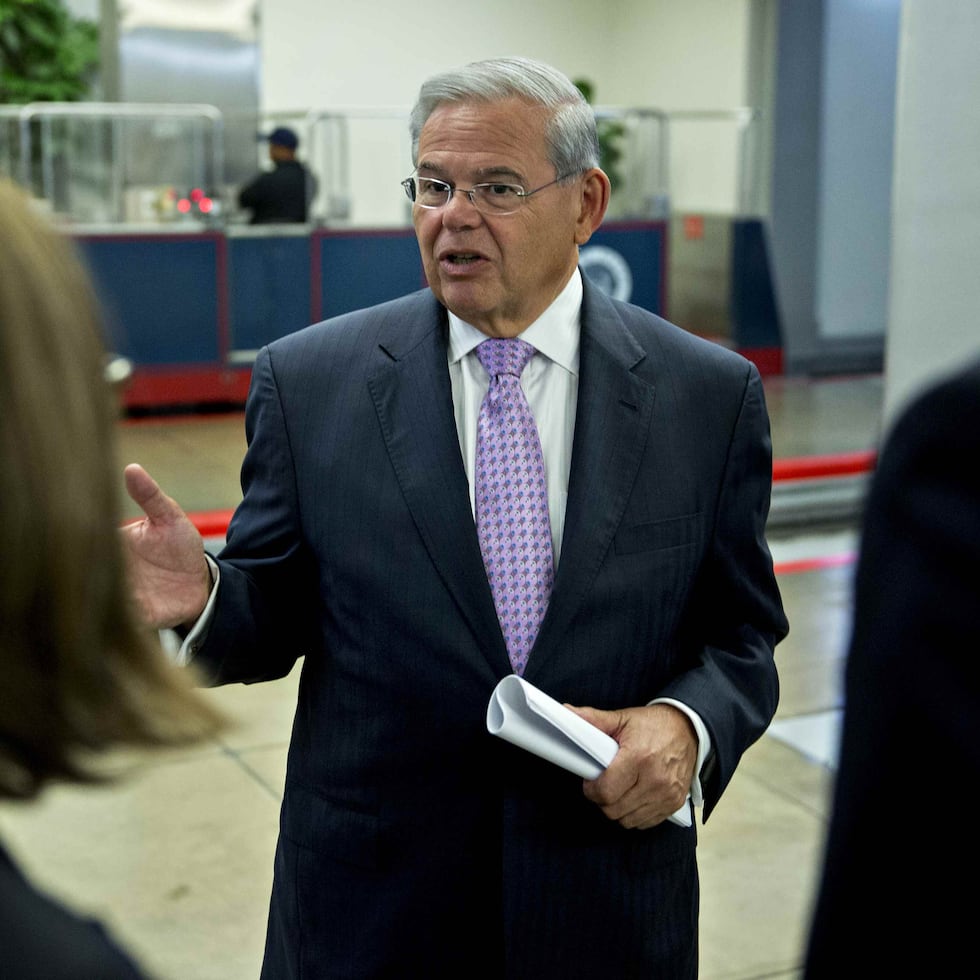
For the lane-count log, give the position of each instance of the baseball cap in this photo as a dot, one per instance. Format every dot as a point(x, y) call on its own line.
point(281, 136)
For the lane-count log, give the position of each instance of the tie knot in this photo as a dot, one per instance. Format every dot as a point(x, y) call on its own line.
point(503, 356)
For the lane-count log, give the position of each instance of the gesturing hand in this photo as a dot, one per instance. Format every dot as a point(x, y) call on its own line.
point(169, 576)
point(651, 775)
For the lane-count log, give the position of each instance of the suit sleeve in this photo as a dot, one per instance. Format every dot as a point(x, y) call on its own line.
point(736, 618)
point(265, 614)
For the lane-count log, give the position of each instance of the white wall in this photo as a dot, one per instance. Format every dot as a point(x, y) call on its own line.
point(934, 322)
point(669, 54)
point(376, 53)
point(681, 56)
point(676, 54)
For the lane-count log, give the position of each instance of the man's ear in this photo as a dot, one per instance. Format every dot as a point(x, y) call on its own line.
point(593, 202)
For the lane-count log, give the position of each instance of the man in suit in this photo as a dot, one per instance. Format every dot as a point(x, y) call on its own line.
point(892, 899)
point(412, 842)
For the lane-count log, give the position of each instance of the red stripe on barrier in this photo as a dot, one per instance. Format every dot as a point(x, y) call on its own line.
point(819, 467)
point(152, 387)
point(813, 564)
point(211, 523)
point(768, 360)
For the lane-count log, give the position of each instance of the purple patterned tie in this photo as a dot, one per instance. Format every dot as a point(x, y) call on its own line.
point(512, 500)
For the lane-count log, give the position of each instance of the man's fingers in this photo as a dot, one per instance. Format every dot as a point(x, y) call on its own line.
point(610, 722)
point(145, 491)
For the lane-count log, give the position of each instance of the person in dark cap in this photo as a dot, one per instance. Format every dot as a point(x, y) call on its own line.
point(282, 194)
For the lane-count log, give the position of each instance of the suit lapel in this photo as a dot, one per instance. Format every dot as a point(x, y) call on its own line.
point(413, 398)
point(611, 427)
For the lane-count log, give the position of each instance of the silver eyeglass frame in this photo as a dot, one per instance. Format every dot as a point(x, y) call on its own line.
point(475, 193)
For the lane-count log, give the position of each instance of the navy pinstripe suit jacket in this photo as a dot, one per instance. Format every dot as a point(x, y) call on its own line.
point(413, 843)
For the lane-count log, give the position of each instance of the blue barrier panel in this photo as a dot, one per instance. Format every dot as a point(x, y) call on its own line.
point(269, 286)
point(628, 261)
point(185, 302)
point(163, 295)
point(361, 268)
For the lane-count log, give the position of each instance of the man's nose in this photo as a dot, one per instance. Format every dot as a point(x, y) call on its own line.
point(459, 210)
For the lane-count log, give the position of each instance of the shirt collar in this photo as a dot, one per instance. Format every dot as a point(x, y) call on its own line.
point(555, 333)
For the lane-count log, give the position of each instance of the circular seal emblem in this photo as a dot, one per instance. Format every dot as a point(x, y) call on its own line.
point(608, 270)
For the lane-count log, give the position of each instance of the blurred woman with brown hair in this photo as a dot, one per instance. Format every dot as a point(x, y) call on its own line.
point(78, 674)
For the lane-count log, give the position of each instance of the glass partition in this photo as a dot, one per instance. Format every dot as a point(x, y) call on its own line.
point(361, 156)
point(142, 164)
point(114, 163)
point(633, 143)
point(715, 162)
point(331, 158)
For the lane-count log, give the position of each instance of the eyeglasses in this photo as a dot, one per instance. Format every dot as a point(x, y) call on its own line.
point(492, 198)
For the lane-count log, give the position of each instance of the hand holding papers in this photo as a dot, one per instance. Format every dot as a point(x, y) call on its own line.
point(520, 713)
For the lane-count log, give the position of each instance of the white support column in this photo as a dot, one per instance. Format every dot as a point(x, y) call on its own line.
point(934, 305)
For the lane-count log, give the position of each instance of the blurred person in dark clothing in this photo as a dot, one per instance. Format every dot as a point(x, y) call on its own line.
point(283, 194)
point(899, 864)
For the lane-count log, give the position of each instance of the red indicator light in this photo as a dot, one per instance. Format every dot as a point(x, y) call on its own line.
point(183, 205)
point(205, 204)
point(197, 194)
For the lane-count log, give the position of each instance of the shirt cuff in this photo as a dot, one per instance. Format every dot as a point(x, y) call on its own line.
point(181, 650)
point(704, 745)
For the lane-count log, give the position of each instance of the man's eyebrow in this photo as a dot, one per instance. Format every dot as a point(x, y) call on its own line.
point(432, 168)
point(483, 174)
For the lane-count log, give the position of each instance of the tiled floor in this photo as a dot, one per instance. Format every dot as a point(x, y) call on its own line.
point(177, 856)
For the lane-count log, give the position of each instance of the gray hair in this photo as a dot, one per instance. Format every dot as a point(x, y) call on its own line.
point(571, 132)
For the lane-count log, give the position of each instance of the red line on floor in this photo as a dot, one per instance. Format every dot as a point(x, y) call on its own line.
point(813, 564)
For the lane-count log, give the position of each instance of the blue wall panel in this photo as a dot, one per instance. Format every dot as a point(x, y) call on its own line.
point(360, 269)
point(269, 282)
point(629, 262)
point(160, 295)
